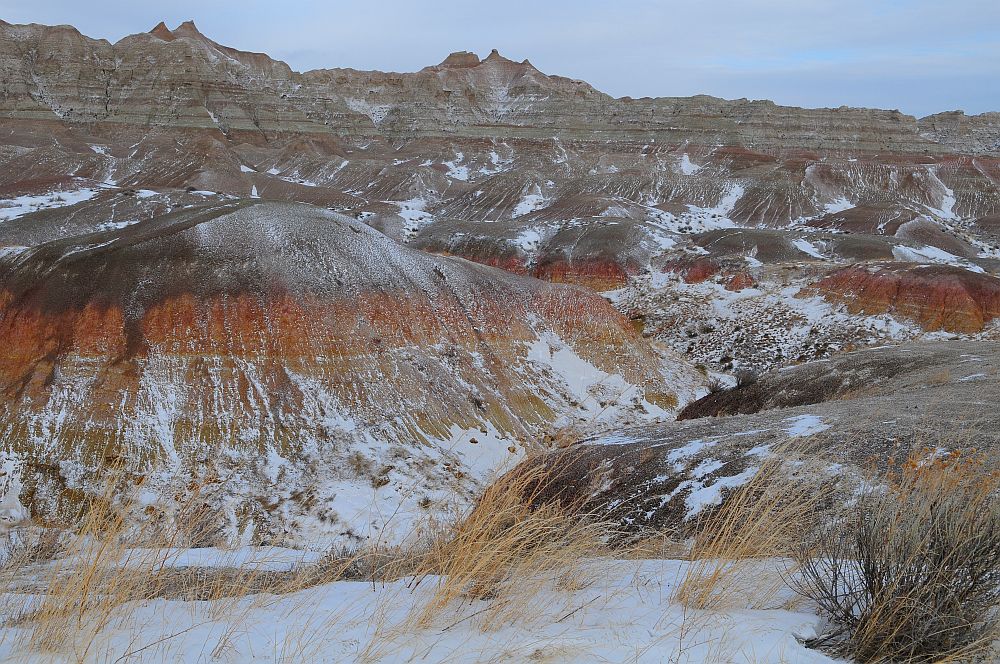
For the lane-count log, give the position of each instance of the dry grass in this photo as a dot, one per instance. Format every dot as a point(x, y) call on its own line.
point(913, 571)
point(764, 518)
point(566, 436)
point(499, 562)
point(500, 554)
point(665, 545)
point(505, 547)
point(942, 377)
point(94, 578)
point(29, 546)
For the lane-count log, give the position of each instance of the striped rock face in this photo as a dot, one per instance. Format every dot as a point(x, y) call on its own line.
point(282, 350)
point(938, 297)
point(578, 186)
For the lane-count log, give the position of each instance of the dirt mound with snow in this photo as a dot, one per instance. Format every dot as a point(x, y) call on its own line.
point(288, 352)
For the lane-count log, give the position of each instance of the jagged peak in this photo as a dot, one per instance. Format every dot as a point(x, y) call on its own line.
point(185, 29)
point(468, 60)
point(161, 31)
point(495, 56)
point(188, 29)
point(190, 32)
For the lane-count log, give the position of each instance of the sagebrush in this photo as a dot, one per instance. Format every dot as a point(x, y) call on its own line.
point(913, 571)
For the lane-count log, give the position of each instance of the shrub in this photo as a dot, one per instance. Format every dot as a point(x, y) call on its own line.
point(745, 377)
point(715, 385)
point(913, 572)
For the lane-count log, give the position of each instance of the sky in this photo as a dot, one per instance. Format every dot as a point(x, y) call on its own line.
point(918, 56)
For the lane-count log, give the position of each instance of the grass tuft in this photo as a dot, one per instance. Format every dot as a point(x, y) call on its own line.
point(505, 548)
point(765, 518)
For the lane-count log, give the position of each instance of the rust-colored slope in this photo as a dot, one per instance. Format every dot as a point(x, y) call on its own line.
point(938, 297)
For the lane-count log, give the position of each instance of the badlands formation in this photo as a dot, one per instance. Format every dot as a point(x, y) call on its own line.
point(335, 300)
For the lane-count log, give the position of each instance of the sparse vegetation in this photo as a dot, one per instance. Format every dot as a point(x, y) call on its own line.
point(94, 577)
point(913, 575)
point(745, 377)
point(942, 377)
point(503, 547)
point(762, 519)
point(715, 385)
point(913, 572)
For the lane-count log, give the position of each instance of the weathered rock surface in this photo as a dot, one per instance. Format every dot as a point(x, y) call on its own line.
point(471, 140)
point(165, 288)
point(52, 72)
point(576, 186)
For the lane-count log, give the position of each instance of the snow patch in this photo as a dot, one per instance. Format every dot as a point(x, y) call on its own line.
point(12, 208)
point(375, 112)
point(687, 167)
point(710, 495)
point(531, 202)
point(456, 171)
point(528, 240)
point(928, 254)
point(839, 205)
point(805, 425)
point(414, 213)
point(624, 613)
point(807, 247)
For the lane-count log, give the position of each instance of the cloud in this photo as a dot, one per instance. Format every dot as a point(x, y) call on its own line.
point(920, 56)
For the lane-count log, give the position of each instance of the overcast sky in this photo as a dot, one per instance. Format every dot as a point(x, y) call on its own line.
point(920, 56)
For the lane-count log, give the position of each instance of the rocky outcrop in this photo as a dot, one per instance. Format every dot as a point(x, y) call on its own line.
point(468, 141)
point(865, 373)
point(202, 84)
point(211, 265)
point(963, 133)
point(495, 161)
point(181, 78)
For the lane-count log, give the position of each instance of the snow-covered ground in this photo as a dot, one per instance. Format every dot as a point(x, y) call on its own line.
point(12, 208)
point(611, 611)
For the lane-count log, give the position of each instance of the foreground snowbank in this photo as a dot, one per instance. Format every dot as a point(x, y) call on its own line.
point(615, 611)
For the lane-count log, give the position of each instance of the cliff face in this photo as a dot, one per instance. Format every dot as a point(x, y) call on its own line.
point(489, 139)
point(181, 78)
point(938, 297)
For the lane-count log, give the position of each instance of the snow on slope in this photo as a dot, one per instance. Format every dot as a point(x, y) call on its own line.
point(927, 254)
point(418, 376)
point(12, 208)
point(602, 397)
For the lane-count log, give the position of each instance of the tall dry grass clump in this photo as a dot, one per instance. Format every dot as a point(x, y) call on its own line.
point(764, 518)
point(913, 572)
point(507, 549)
point(81, 584)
